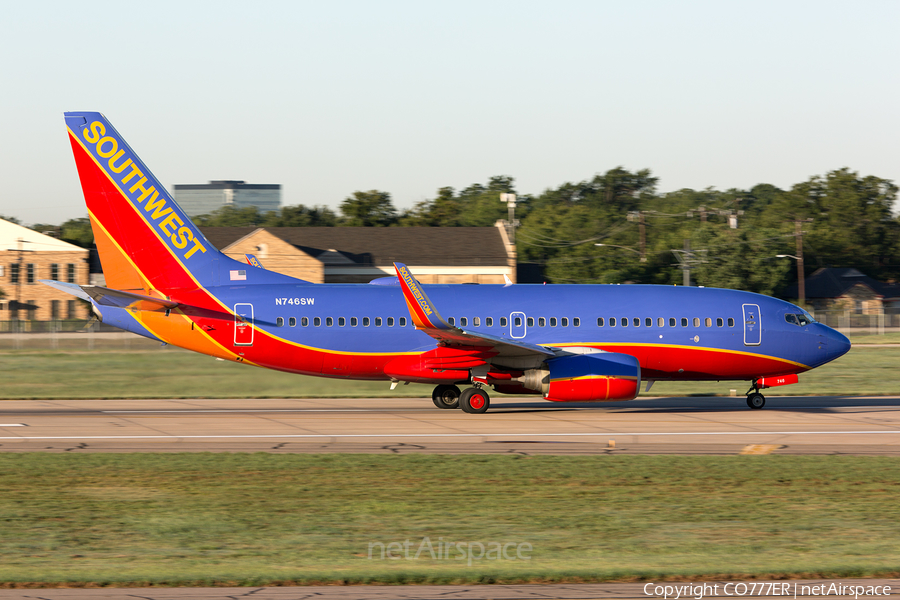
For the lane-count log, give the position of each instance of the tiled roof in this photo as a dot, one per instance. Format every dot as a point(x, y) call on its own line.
point(834, 282)
point(437, 246)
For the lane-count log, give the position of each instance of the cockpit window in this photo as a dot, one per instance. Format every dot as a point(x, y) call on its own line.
point(800, 320)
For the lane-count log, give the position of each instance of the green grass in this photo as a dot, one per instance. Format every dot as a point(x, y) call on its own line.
point(862, 371)
point(173, 373)
point(865, 338)
point(216, 519)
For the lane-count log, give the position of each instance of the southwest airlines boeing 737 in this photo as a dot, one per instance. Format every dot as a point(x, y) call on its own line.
point(565, 342)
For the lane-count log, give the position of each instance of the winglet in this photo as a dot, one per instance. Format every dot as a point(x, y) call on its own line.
point(253, 261)
point(422, 311)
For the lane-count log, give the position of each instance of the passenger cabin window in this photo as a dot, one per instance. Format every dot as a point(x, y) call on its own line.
point(503, 321)
point(463, 321)
point(451, 320)
point(304, 321)
point(612, 322)
point(366, 321)
point(708, 322)
point(530, 321)
point(636, 322)
point(292, 321)
point(317, 321)
point(279, 322)
point(660, 322)
point(552, 321)
point(672, 322)
point(730, 322)
point(518, 321)
point(624, 321)
point(354, 321)
point(576, 322)
point(377, 321)
point(564, 322)
point(696, 321)
point(648, 322)
point(476, 321)
point(329, 322)
point(719, 322)
point(390, 321)
point(402, 321)
point(341, 321)
point(488, 321)
point(684, 322)
point(541, 322)
point(599, 321)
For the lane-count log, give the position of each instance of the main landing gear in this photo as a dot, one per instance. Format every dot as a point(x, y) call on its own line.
point(445, 396)
point(755, 400)
point(473, 400)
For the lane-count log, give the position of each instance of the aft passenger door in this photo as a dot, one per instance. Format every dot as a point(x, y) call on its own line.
point(243, 324)
point(752, 325)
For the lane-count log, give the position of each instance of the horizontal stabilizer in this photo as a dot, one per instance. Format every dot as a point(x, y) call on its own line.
point(107, 297)
point(69, 288)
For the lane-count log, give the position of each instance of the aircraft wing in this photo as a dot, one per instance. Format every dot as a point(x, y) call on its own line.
point(426, 318)
point(107, 297)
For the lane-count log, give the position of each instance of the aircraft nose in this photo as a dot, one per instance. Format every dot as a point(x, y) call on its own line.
point(837, 344)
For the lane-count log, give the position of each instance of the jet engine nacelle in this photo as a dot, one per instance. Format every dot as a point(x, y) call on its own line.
point(586, 377)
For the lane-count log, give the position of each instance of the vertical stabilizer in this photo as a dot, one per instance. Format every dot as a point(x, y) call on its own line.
point(144, 239)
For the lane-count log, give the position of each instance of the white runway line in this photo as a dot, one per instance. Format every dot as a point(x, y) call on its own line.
point(13, 425)
point(437, 435)
point(237, 410)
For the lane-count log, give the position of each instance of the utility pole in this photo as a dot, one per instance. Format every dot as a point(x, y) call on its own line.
point(638, 215)
point(643, 234)
point(801, 274)
point(687, 258)
point(511, 223)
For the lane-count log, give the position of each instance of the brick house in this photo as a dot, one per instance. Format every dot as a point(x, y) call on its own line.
point(361, 254)
point(850, 290)
point(27, 256)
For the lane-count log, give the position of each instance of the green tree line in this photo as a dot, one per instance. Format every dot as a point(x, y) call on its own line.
point(845, 219)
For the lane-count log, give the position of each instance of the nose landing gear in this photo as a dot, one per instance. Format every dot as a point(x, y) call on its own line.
point(755, 400)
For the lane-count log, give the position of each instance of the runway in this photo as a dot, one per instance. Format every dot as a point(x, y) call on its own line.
point(618, 591)
point(707, 425)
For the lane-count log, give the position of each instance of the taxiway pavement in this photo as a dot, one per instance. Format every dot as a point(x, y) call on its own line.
point(707, 425)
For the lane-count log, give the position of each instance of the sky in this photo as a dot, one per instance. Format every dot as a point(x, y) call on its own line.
point(327, 98)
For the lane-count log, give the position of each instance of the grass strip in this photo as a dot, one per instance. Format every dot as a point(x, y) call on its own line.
point(175, 373)
point(264, 519)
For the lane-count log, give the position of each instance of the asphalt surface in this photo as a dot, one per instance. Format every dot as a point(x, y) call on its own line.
point(788, 425)
point(619, 591)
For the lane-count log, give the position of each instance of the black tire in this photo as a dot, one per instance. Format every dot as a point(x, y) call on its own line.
point(756, 401)
point(474, 400)
point(445, 396)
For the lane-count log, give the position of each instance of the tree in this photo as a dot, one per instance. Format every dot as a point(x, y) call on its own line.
point(302, 216)
point(230, 216)
point(78, 232)
point(476, 206)
point(368, 209)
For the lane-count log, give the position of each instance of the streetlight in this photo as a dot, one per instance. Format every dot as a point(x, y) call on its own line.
point(643, 258)
point(801, 278)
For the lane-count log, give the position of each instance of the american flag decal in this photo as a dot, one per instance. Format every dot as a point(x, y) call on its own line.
point(238, 275)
